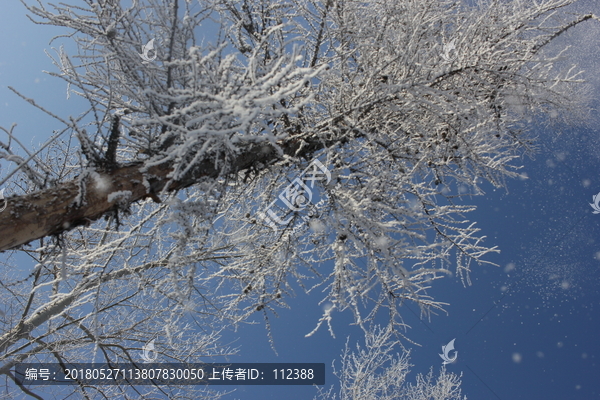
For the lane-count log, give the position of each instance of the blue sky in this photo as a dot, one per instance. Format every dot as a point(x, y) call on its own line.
point(527, 329)
point(524, 330)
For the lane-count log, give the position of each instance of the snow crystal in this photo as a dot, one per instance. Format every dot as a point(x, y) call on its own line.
point(317, 226)
point(327, 306)
point(101, 183)
point(122, 194)
point(382, 242)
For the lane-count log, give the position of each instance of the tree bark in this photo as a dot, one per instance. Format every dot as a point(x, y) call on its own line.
point(84, 200)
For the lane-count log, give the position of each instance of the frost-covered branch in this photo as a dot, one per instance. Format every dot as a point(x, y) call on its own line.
point(373, 371)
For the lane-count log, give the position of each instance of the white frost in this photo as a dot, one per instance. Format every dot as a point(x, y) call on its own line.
point(120, 195)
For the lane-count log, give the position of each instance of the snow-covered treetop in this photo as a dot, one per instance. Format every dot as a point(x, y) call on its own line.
point(214, 108)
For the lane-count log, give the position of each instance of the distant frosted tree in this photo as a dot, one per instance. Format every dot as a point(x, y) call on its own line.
point(165, 209)
point(374, 372)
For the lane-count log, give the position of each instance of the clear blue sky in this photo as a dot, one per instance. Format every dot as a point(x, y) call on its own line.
point(530, 332)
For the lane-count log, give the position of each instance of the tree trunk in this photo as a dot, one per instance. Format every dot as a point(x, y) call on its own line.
point(84, 200)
